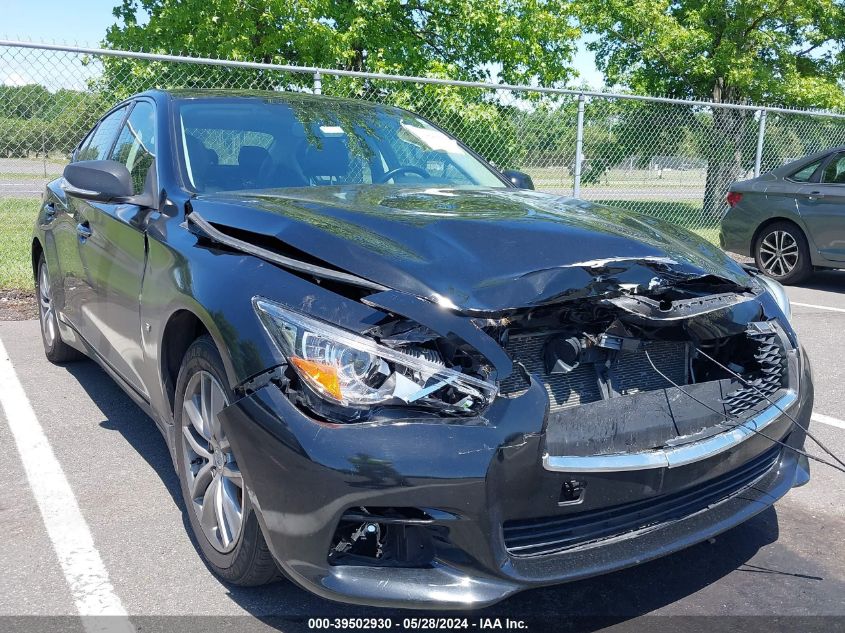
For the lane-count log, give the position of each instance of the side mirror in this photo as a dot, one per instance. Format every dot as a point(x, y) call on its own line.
point(519, 179)
point(101, 181)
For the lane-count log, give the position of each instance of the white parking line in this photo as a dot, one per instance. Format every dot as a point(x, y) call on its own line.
point(817, 307)
point(80, 561)
point(826, 419)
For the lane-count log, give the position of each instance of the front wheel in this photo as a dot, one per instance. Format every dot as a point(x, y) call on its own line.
point(218, 506)
point(781, 252)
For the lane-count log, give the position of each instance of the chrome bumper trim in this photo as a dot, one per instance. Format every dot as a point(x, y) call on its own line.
point(671, 457)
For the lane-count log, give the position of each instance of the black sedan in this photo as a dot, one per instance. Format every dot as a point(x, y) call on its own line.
point(792, 218)
point(390, 375)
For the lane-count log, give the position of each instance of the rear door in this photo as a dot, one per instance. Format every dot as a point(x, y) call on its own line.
point(113, 250)
point(822, 206)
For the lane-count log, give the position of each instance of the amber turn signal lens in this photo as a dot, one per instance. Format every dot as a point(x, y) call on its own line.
point(323, 375)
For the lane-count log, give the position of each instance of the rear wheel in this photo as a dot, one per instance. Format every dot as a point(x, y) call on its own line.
point(218, 506)
point(56, 350)
point(781, 252)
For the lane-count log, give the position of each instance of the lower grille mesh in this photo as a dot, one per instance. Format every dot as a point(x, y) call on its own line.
point(630, 373)
point(537, 537)
point(773, 366)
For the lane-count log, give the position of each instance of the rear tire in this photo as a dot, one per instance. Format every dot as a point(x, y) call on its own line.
point(222, 518)
point(55, 349)
point(782, 253)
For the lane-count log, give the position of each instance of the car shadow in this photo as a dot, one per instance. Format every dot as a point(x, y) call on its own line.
point(593, 603)
point(826, 280)
point(137, 428)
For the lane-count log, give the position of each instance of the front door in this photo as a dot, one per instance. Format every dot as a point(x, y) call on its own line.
point(113, 251)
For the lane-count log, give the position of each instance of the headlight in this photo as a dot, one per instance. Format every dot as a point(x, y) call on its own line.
point(778, 293)
point(347, 369)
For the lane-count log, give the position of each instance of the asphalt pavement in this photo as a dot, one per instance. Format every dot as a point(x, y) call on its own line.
point(120, 484)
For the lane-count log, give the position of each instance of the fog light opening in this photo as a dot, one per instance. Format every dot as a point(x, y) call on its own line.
point(385, 537)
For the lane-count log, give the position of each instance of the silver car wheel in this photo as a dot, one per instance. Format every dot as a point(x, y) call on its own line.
point(214, 481)
point(779, 253)
point(45, 307)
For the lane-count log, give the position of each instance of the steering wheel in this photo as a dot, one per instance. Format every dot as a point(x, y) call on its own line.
point(403, 169)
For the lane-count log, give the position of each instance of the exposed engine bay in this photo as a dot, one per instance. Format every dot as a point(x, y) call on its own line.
point(623, 374)
point(620, 381)
point(629, 370)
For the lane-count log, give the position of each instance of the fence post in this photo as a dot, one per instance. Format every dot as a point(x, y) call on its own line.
point(761, 133)
point(579, 146)
point(318, 83)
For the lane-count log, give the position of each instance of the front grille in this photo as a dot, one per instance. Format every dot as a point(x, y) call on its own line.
point(629, 373)
point(538, 537)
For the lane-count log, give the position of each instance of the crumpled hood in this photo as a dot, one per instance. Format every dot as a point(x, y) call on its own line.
point(483, 250)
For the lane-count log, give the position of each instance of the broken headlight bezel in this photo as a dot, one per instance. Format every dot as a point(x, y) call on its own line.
point(349, 370)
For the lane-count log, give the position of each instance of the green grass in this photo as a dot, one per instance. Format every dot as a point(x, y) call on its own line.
point(17, 216)
point(621, 180)
point(29, 175)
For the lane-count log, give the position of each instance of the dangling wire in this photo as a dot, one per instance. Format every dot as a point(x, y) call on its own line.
point(794, 421)
point(737, 422)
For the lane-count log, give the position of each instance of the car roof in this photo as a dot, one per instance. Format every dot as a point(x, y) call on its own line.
point(795, 165)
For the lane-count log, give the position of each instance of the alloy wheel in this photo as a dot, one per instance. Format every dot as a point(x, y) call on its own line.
point(45, 307)
point(214, 481)
point(779, 253)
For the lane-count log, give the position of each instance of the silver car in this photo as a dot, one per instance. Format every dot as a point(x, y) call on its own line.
point(791, 219)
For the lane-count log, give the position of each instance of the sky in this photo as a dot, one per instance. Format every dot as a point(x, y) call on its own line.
point(85, 22)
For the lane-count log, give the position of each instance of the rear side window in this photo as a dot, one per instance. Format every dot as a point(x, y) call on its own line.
point(805, 173)
point(100, 143)
point(136, 145)
point(834, 172)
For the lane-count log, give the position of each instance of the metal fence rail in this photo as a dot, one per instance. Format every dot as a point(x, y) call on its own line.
point(671, 158)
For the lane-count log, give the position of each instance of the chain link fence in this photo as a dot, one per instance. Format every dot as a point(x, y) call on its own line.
point(669, 158)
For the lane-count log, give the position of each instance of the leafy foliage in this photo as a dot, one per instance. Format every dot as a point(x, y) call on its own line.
point(35, 121)
point(524, 39)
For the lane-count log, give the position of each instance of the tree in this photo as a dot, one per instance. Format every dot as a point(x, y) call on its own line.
point(36, 121)
point(524, 40)
point(777, 52)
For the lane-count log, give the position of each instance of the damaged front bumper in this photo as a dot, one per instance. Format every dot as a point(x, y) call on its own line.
point(485, 516)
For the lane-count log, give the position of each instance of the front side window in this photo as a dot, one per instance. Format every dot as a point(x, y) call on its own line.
point(248, 143)
point(834, 171)
point(136, 145)
point(100, 143)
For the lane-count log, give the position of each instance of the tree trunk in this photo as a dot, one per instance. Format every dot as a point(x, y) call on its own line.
point(724, 159)
point(724, 152)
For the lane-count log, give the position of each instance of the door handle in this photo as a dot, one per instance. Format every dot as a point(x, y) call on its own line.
point(815, 195)
point(83, 230)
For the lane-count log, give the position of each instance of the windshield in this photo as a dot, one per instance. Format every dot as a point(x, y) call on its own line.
point(232, 144)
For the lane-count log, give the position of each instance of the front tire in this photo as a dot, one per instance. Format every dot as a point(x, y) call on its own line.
point(782, 253)
point(221, 516)
point(55, 349)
